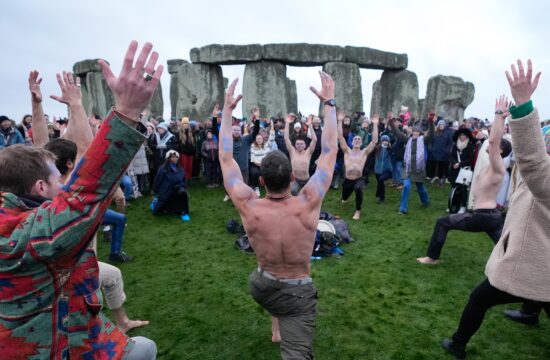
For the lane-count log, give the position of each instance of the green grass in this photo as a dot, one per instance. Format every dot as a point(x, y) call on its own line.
point(375, 302)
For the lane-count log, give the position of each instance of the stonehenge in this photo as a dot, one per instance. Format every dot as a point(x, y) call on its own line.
point(196, 86)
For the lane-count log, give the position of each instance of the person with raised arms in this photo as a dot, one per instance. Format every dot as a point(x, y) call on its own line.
point(354, 161)
point(281, 227)
point(300, 157)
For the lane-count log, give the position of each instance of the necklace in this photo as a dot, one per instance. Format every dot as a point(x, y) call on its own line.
point(278, 198)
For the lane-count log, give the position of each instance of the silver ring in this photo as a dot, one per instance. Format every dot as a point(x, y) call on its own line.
point(147, 76)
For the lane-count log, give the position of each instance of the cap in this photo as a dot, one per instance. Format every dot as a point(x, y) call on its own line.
point(170, 153)
point(3, 118)
point(297, 125)
point(384, 138)
point(162, 126)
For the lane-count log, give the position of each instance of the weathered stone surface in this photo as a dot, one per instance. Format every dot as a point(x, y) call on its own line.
point(226, 54)
point(347, 86)
point(376, 98)
point(156, 106)
point(398, 88)
point(225, 83)
point(174, 65)
point(292, 96)
point(86, 66)
point(97, 97)
point(375, 59)
point(302, 54)
point(265, 86)
point(199, 88)
point(449, 96)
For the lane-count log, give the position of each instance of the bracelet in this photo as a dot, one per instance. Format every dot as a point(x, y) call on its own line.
point(499, 112)
point(124, 116)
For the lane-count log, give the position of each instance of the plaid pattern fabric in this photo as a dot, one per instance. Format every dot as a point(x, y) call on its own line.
point(50, 302)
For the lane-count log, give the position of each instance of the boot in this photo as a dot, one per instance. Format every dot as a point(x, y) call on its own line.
point(458, 351)
point(521, 317)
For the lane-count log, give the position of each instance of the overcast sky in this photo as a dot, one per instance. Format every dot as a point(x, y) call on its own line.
point(475, 40)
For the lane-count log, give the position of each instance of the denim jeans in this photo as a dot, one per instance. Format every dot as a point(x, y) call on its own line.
point(127, 186)
point(397, 168)
point(144, 349)
point(118, 222)
point(422, 193)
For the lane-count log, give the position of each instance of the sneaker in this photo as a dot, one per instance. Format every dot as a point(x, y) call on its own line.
point(185, 217)
point(107, 235)
point(459, 352)
point(521, 317)
point(402, 212)
point(399, 187)
point(435, 179)
point(226, 198)
point(462, 210)
point(121, 257)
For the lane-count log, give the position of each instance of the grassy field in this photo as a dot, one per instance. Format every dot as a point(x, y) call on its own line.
point(375, 302)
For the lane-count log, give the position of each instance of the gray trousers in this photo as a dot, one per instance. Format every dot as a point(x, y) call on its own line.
point(295, 306)
point(144, 349)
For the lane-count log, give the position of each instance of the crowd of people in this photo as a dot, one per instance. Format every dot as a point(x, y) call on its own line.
point(75, 167)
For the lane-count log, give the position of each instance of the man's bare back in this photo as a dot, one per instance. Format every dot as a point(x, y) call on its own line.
point(284, 250)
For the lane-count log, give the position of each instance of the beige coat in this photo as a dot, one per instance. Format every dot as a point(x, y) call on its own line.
point(520, 262)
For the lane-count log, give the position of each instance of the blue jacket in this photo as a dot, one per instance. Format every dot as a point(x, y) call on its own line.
point(10, 137)
point(441, 145)
point(383, 160)
point(166, 180)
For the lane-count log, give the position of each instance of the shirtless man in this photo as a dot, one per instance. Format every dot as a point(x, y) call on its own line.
point(281, 228)
point(485, 217)
point(354, 161)
point(300, 157)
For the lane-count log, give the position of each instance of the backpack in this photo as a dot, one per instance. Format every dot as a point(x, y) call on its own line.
point(243, 244)
point(326, 244)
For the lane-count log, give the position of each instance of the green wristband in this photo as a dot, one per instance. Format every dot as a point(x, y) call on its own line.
point(521, 110)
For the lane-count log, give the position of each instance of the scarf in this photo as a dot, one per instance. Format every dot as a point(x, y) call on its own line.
point(420, 161)
point(461, 145)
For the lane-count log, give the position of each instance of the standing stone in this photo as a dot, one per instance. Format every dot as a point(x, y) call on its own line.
point(375, 59)
point(265, 85)
point(376, 99)
point(199, 88)
point(173, 68)
point(449, 96)
point(347, 86)
point(292, 96)
point(225, 84)
point(398, 88)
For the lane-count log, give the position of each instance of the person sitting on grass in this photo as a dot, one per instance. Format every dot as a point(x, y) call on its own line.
point(485, 217)
point(518, 268)
point(300, 157)
point(170, 192)
point(382, 167)
point(354, 160)
point(282, 227)
point(414, 162)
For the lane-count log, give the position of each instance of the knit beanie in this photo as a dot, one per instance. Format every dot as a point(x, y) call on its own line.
point(441, 122)
point(162, 126)
point(384, 138)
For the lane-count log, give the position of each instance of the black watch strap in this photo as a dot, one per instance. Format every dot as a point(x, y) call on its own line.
point(330, 102)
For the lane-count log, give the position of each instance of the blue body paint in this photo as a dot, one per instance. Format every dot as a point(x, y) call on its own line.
point(227, 144)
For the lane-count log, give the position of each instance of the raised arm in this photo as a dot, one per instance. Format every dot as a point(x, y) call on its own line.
point(39, 125)
point(79, 130)
point(528, 145)
point(271, 139)
point(497, 130)
point(431, 128)
point(237, 190)
point(286, 132)
point(396, 132)
point(372, 145)
point(81, 203)
point(341, 140)
point(313, 143)
point(318, 184)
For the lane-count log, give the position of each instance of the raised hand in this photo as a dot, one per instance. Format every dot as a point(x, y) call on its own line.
point(289, 118)
point(134, 87)
point(327, 87)
point(70, 89)
point(340, 115)
point(375, 119)
point(389, 115)
point(230, 100)
point(502, 104)
point(34, 86)
point(255, 113)
point(522, 85)
point(431, 116)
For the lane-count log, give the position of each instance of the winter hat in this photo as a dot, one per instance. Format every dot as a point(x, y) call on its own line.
point(384, 138)
point(297, 126)
point(185, 120)
point(441, 122)
point(170, 153)
point(4, 118)
point(162, 126)
point(546, 134)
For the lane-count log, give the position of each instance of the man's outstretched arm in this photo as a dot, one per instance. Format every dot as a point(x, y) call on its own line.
point(237, 190)
point(317, 186)
point(372, 145)
point(39, 125)
point(497, 130)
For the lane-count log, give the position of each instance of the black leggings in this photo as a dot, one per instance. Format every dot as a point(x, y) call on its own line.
point(481, 220)
point(484, 297)
point(254, 175)
point(210, 171)
point(380, 186)
point(349, 186)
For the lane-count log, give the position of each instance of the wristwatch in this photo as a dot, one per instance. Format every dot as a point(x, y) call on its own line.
point(330, 102)
point(498, 112)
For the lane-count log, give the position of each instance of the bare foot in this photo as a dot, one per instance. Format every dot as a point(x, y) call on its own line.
point(275, 333)
point(427, 260)
point(132, 324)
point(357, 215)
